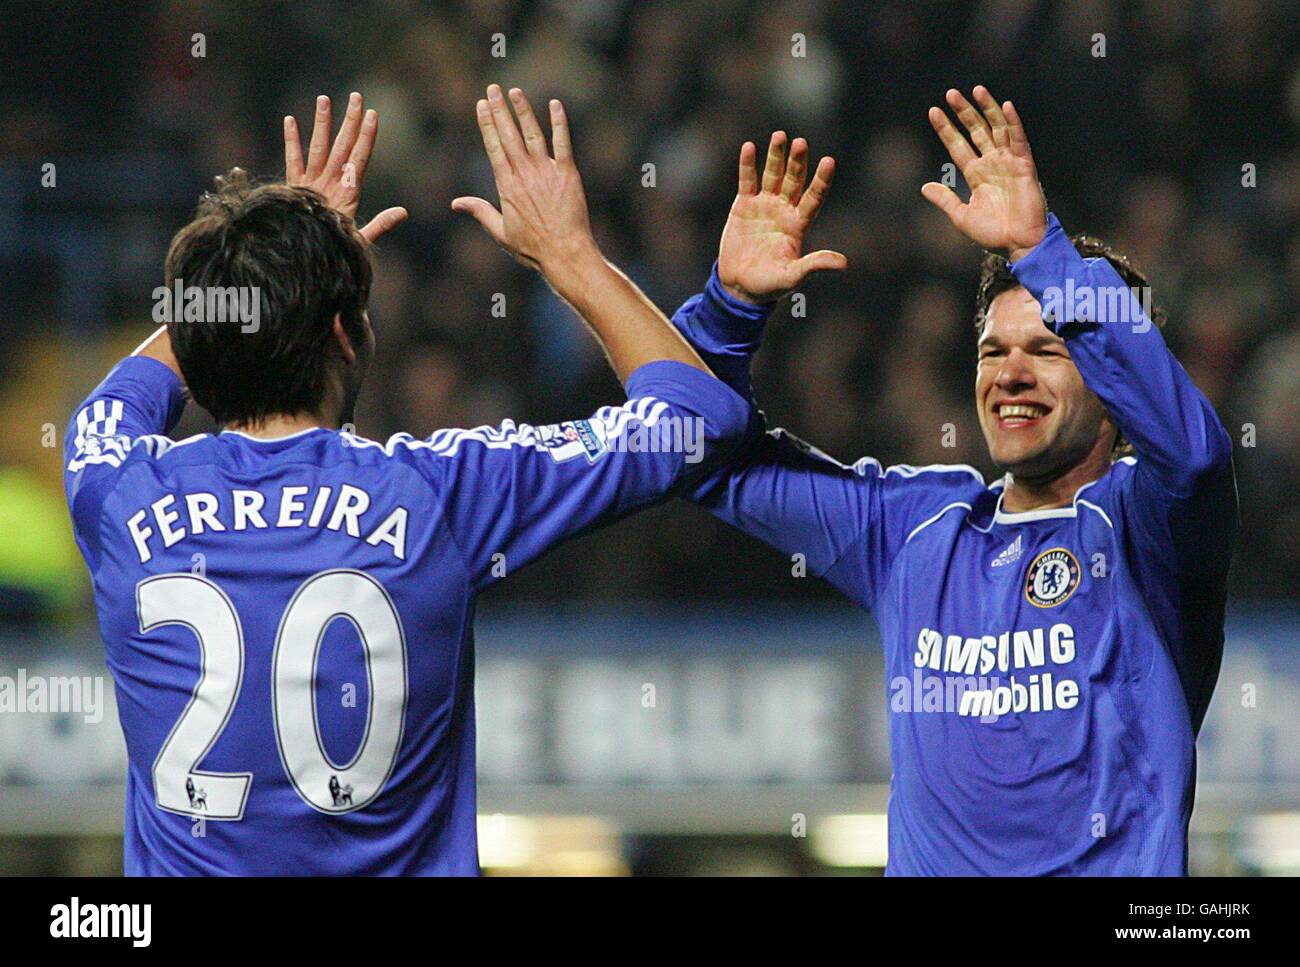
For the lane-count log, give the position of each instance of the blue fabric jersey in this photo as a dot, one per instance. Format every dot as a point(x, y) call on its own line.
point(289, 622)
point(1047, 671)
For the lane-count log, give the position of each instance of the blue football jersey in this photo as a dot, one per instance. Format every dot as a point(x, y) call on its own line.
point(1046, 671)
point(288, 622)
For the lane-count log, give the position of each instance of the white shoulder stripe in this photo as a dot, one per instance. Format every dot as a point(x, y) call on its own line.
point(609, 422)
point(924, 524)
point(1089, 504)
point(907, 470)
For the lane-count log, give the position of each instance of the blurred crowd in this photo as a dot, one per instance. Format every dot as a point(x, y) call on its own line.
point(1168, 128)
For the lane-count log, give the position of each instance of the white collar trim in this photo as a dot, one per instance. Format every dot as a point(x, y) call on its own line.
point(272, 439)
point(1001, 516)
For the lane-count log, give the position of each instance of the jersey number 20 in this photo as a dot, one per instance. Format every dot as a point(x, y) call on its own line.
point(197, 603)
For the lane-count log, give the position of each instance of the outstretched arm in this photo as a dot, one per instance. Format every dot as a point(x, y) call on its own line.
point(846, 523)
point(781, 491)
point(1183, 480)
point(512, 492)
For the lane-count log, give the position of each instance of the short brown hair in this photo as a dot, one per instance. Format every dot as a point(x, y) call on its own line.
point(307, 261)
point(996, 277)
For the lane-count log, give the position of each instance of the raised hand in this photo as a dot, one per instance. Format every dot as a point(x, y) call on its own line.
point(1007, 212)
point(759, 259)
point(336, 173)
point(543, 214)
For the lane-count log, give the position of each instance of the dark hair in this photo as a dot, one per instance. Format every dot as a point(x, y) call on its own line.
point(308, 263)
point(996, 278)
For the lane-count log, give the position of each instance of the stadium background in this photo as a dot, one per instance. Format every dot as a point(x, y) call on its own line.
point(763, 749)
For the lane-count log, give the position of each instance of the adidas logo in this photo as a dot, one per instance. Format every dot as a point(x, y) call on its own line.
point(1011, 554)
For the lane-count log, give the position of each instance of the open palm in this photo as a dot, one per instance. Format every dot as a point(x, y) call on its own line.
point(1006, 212)
point(759, 258)
point(337, 172)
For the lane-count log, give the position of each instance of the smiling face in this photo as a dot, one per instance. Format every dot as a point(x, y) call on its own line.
point(1039, 419)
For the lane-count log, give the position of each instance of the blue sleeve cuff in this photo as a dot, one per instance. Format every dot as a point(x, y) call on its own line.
point(1047, 270)
point(725, 325)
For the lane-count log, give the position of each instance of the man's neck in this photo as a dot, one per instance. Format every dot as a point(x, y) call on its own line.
point(1023, 495)
point(280, 425)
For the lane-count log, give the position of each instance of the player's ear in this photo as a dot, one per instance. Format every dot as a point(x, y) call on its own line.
point(345, 347)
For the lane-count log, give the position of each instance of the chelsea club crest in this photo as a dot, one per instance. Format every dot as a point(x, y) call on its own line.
point(1052, 577)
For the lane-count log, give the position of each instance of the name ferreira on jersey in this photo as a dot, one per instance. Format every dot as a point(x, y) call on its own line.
point(201, 512)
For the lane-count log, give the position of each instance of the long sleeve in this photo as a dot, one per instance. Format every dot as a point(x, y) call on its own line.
point(1182, 486)
point(1178, 506)
point(512, 492)
point(847, 522)
point(140, 398)
point(725, 331)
